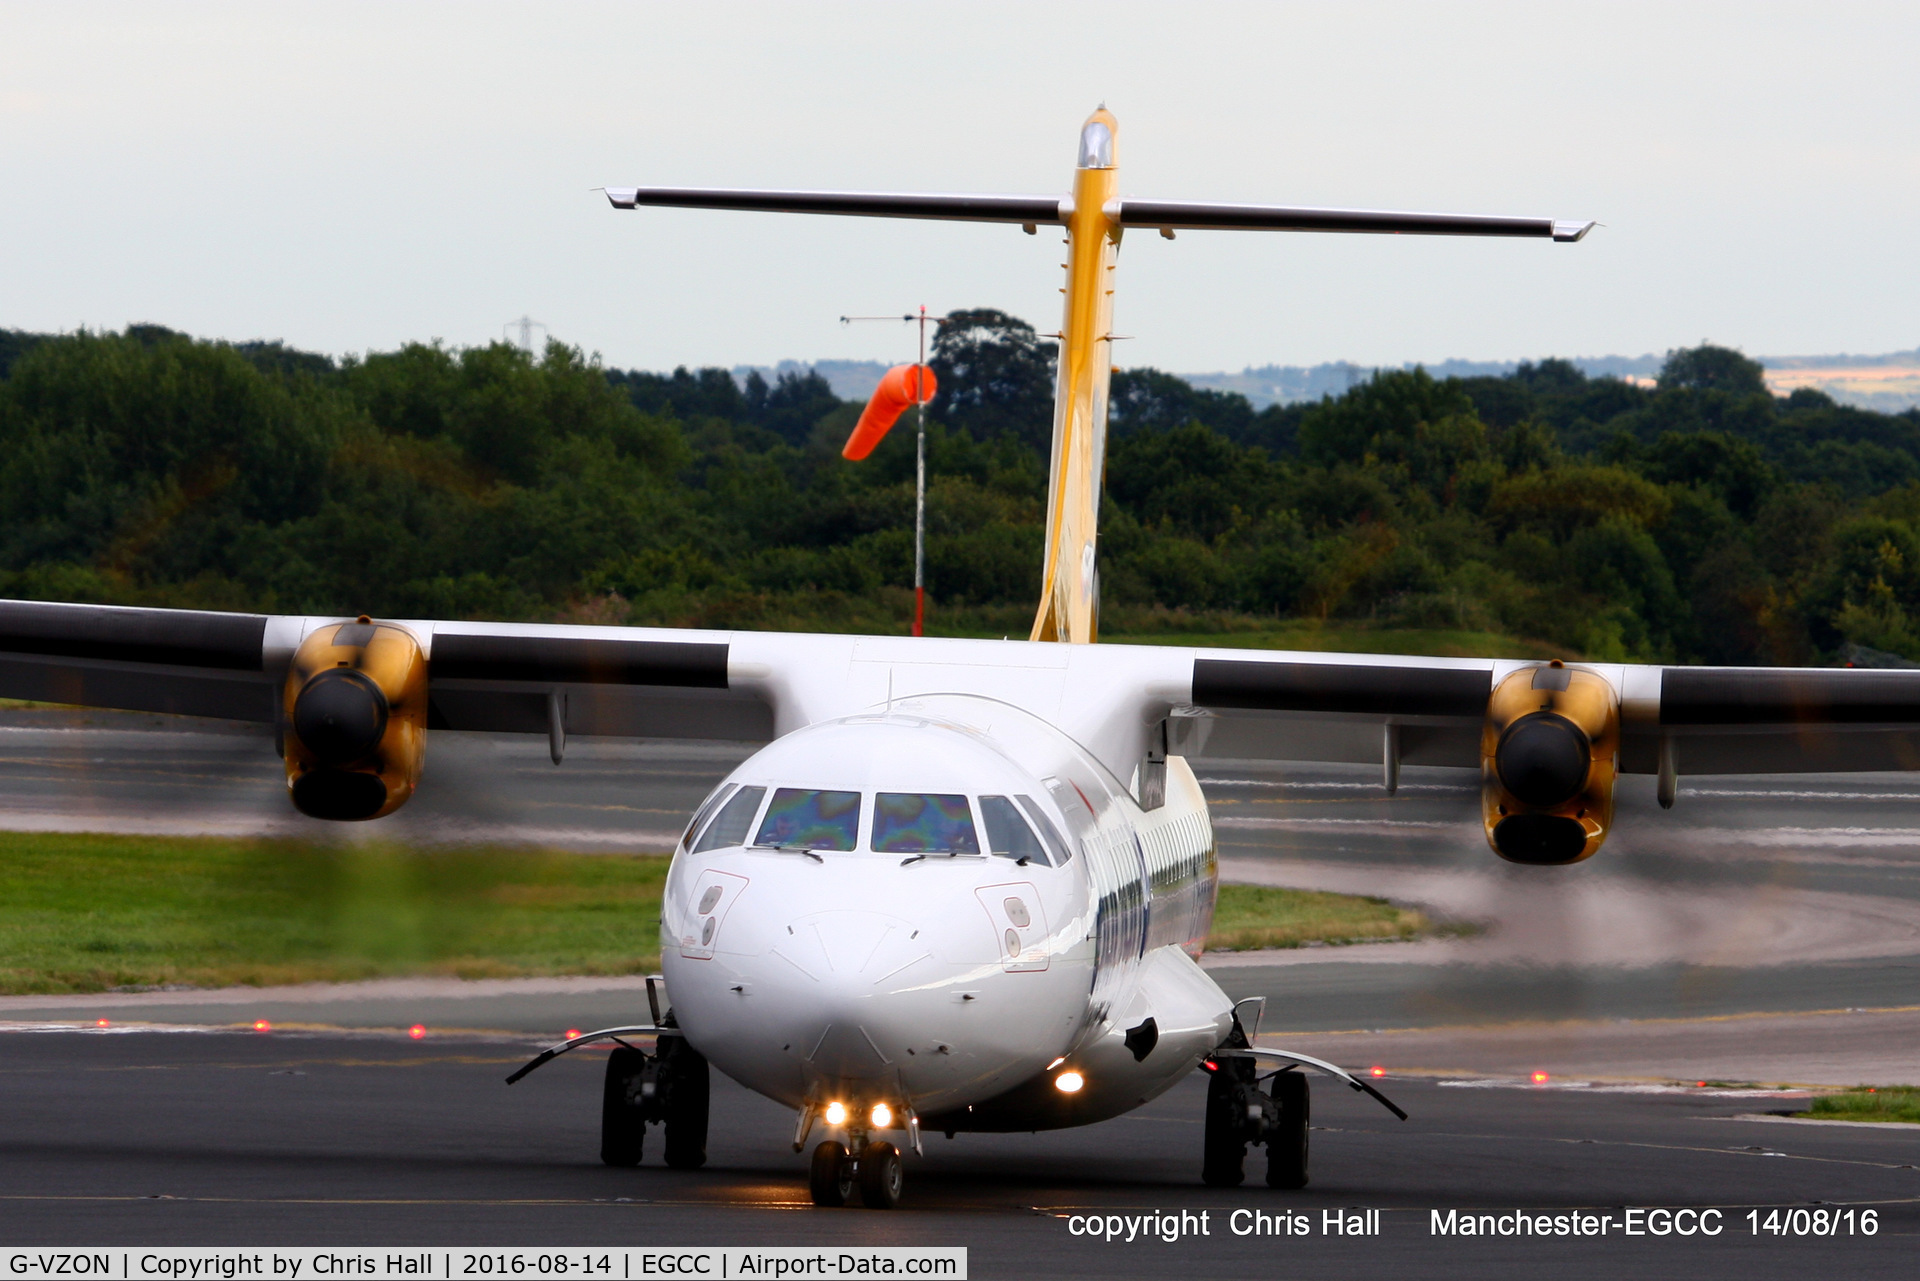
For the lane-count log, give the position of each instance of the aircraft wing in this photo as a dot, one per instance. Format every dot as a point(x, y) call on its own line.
point(750, 686)
point(1168, 215)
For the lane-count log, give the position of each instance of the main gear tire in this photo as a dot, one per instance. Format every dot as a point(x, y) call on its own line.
point(1223, 1161)
point(623, 1124)
point(684, 1089)
point(1287, 1140)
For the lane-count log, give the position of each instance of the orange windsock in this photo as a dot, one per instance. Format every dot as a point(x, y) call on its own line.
point(903, 385)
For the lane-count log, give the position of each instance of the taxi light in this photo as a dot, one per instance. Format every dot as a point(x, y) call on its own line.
point(836, 1114)
point(417, 1031)
point(1069, 1082)
point(881, 1116)
point(1540, 1078)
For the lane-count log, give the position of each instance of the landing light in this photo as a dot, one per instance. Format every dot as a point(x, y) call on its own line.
point(836, 1114)
point(881, 1116)
point(1069, 1082)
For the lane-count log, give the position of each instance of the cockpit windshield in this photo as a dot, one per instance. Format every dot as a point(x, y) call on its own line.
point(923, 823)
point(729, 827)
point(1096, 146)
point(1008, 834)
point(812, 819)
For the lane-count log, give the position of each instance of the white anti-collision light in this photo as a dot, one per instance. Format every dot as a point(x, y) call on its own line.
point(881, 1116)
point(836, 1114)
point(1069, 1082)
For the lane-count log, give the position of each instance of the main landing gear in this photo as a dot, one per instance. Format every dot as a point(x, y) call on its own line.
point(667, 1088)
point(1239, 1113)
point(876, 1171)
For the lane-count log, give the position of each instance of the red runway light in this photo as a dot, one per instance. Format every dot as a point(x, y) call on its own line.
point(1376, 1070)
point(1702, 1085)
point(417, 1031)
point(572, 1032)
point(100, 1023)
point(261, 1025)
point(1539, 1078)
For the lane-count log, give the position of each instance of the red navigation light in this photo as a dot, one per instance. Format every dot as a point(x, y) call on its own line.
point(1210, 1066)
point(1540, 1078)
point(417, 1031)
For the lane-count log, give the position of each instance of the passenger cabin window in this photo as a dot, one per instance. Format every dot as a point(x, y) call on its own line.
point(1096, 146)
point(1008, 835)
point(811, 819)
point(923, 823)
point(1048, 832)
point(729, 826)
point(706, 811)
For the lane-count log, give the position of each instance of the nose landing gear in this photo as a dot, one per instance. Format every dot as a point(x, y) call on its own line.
point(877, 1171)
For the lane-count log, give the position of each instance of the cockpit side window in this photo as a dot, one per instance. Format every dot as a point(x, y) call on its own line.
point(1008, 834)
point(1048, 832)
point(729, 826)
point(705, 811)
point(923, 823)
point(809, 818)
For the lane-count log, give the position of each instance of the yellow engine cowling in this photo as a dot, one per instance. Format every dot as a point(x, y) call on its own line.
point(1548, 755)
point(354, 720)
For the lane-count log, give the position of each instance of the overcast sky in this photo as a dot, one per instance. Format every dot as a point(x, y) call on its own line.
point(350, 177)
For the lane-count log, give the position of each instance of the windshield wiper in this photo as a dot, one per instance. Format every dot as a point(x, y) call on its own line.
point(808, 850)
point(915, 858)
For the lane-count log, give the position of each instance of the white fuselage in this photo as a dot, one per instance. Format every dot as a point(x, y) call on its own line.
point(950, 978)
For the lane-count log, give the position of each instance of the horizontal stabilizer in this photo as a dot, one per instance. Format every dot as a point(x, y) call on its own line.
point(869, 204)
point(1181, 215)
point(1032, 210)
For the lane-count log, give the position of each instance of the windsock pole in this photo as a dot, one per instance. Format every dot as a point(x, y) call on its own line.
point(920, 491)
point(901, 383)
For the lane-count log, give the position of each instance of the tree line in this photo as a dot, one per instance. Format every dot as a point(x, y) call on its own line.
point(1701, 519)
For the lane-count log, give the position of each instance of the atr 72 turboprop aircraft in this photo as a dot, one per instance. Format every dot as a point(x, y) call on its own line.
point(965, 883)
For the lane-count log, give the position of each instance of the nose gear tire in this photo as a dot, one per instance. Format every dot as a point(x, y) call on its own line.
point(881, 1177)
point(830, 1178)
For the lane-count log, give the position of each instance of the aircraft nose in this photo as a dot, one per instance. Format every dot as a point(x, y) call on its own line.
point(851, 959)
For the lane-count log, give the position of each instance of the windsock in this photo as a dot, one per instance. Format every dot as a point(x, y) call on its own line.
point(903, 385)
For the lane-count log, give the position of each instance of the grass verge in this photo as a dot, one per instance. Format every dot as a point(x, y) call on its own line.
point(1883, 1103)
point(88, 913)
point(84, 913)
point(1256, 916)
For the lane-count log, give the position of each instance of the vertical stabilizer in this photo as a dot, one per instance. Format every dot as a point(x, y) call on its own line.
point(1070, 584)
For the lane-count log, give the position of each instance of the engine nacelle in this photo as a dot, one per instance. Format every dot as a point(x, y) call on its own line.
point(1548, 755)
point(354, 720)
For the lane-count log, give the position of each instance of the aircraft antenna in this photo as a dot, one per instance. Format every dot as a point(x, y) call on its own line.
point(919, 467)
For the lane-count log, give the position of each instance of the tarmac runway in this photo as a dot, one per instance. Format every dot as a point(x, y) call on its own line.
point(1763, 931)
point(328, 1139)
